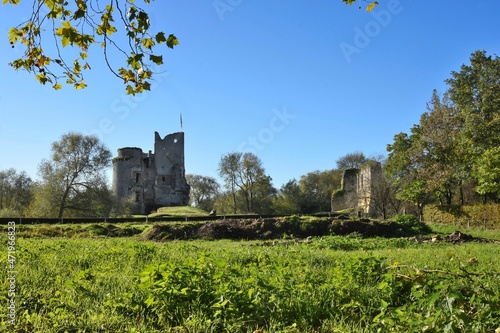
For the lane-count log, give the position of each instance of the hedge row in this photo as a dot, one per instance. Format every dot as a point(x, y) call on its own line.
point(484, 216)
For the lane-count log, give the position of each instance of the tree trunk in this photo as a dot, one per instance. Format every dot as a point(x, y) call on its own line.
point(63, 203)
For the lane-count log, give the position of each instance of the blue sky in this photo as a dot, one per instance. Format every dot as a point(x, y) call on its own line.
point(300, 84)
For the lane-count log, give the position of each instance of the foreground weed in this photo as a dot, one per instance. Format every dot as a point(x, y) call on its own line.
point(330, 284)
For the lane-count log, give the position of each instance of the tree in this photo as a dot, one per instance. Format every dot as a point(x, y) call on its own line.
point(475, 91)
point(15, 192)
point(405, 167)
point(244, 173)
point(264, 194)
point(203, 191)
point(316, 190)
point(441, 154)
point(488, 174)
point(351, 161)
point(228, 169)
point(444, 152)
point(73, 179)
point(288, 199)
point(82, 24)
point(383, 197)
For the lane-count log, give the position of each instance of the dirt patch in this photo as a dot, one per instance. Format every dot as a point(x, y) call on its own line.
point(114, 231)
point(456, 237)
point(274, 228)
point(172, 231)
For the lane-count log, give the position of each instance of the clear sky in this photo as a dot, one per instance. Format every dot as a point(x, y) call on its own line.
point(300, 83)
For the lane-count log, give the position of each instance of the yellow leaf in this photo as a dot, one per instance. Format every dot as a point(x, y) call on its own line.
point(57, 86)
point(370, 7)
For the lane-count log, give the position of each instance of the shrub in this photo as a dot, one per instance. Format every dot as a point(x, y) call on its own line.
point(484, 216)
point(411, 224)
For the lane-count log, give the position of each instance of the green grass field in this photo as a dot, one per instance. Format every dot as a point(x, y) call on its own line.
point(322, 284)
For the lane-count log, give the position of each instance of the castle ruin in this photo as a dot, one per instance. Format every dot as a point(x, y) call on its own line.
point(152, 180)
point(357, 189)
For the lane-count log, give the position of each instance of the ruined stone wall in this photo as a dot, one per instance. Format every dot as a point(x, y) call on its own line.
point(356, 192)
point(368, 179)
point(346, 197)
point(126, 166)
point(171, 188)
point(152, 180)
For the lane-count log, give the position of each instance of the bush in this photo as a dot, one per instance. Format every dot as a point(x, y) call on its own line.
point(9, 212)
point(411, 224)
point(484, 216)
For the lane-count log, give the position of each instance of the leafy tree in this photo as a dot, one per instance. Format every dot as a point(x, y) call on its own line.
point(475, 92)
point(351, 161)
point(82, 24)
point(288, 199)
point(203, 191)
point(488, 174)
point(264, 193)
point(229, 166)
point(441, 154)
point(15, 191)
point(94, 200)
point(383, 197)
point(123, 207)
point(316, 190)
point(438, 159)
point(244, 173)
point(405, 166)
point(73, 179)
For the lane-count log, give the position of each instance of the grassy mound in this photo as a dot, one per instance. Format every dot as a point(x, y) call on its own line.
point(179, 211)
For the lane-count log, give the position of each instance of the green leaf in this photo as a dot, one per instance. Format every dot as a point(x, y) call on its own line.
point(148, 43)
point(172, 41)
point(79, 14)
point(67, 33)
point(130, 90)
point(149, 301)
point(14, 34)
point(156, 59)
point(250, 280)
point(160, 38)
point(42, 78)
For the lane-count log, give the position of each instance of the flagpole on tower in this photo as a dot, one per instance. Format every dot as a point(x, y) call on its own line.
point(181, 121)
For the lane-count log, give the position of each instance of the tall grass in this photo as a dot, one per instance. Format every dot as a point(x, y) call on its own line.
point(329, 284)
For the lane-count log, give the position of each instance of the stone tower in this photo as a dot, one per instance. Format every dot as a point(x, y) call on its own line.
point(152, 180)
point(357, 189)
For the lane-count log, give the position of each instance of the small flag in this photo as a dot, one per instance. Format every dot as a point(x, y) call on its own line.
point(181, 121)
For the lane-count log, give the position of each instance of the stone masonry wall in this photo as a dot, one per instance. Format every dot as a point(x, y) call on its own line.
point(356, 192)
point(152, 180)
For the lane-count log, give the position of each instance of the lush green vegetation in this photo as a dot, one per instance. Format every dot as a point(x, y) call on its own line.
point(477, 216)
point(451, 156)
point(179, 211)
point(328, 284)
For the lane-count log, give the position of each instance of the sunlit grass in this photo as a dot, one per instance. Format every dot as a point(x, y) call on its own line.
point(324, 284)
